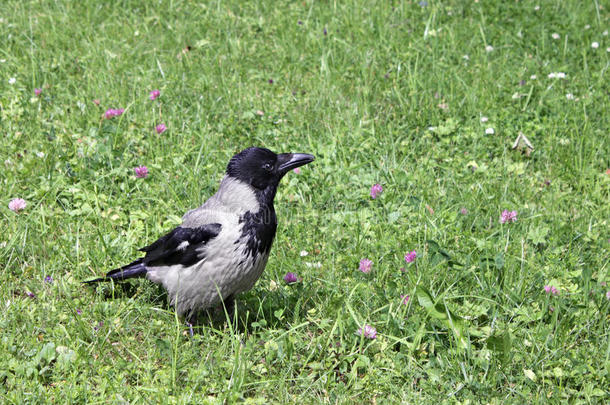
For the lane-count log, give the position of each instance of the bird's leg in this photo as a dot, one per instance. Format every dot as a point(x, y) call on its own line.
point(192, 319)
point(229, 305)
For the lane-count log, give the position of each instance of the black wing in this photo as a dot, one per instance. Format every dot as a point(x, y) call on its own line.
point(180, 246)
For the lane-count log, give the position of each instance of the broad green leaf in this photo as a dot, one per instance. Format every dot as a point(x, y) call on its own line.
point(499, 261)
point(538, 235)
point(501, 344)
point(439, 310)
point(530, 374)
point(393, 217)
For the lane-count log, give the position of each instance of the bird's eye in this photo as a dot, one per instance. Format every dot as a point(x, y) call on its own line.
point(267, 167)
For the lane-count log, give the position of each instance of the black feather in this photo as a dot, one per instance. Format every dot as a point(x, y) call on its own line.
point(165, 251)
point(132, 270)
point(258, 230)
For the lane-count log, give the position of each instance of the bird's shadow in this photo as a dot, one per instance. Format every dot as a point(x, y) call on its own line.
point(250, 309)
point(261, 308)
point(156, 295)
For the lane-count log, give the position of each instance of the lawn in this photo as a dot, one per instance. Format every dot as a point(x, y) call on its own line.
point(435, 262)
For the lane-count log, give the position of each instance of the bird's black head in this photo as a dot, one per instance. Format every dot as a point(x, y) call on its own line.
point(263, 169)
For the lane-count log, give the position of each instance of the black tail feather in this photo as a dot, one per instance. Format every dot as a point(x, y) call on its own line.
point(132, 270)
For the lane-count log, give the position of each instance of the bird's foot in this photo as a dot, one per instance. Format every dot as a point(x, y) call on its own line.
point(190, 326)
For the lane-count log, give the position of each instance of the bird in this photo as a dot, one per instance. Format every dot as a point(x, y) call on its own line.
point(221, 248)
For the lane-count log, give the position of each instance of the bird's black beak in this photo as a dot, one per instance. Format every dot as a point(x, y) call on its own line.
point(289, 161)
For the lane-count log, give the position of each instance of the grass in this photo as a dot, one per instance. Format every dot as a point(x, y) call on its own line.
point(381, 92)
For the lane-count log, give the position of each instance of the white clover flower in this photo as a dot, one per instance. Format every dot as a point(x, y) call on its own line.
point(12, 80)
point(489, 48)
point(595, 45)
point(555, 35)
point(533, 77)
point(570, 96)
point(484, 119)
point(490, 131)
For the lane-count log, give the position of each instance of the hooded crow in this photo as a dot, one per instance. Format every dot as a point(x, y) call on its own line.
point(222, 247)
